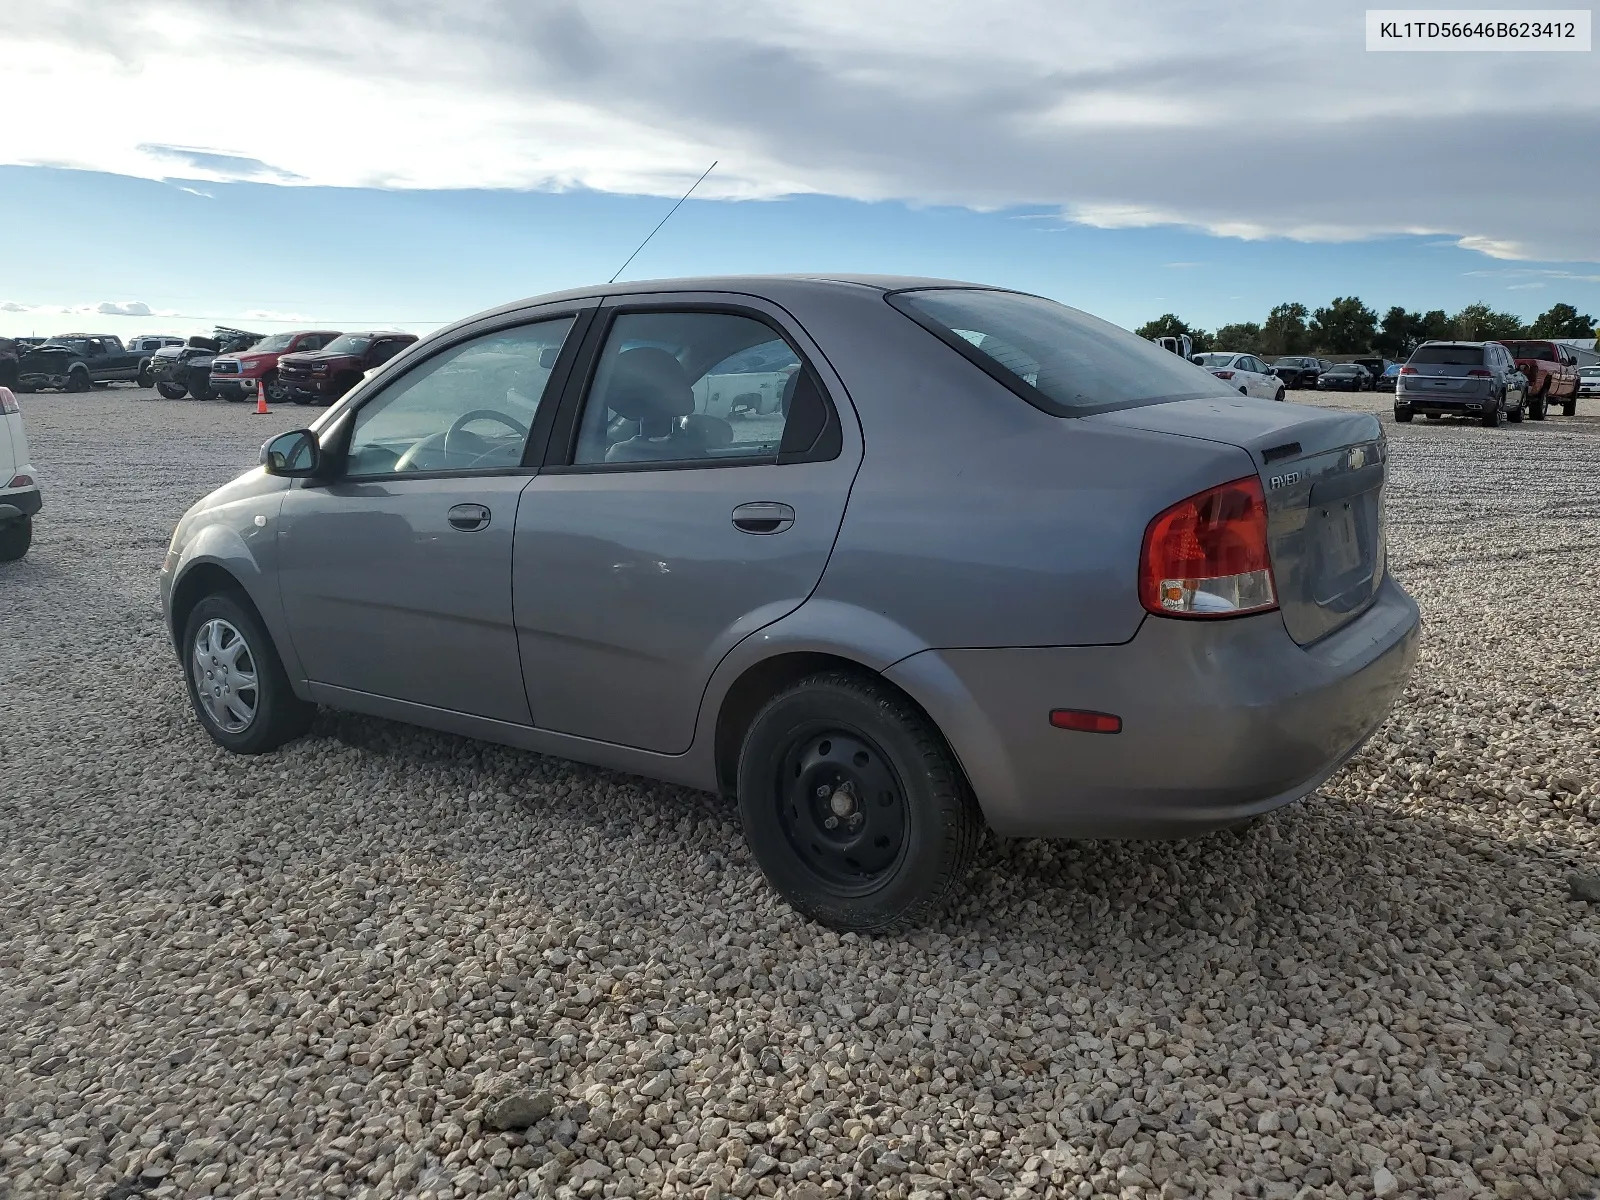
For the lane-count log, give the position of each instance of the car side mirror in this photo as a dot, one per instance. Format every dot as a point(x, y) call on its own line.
point(294, 455)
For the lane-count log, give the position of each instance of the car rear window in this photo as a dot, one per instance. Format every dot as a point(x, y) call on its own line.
point(1537, 350)
point(1059, 359)
point(1454, 356)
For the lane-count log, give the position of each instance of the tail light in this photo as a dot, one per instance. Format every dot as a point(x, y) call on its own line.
point(21, 481)
point(1207, 556)
point(8, 403)
point(1480, 373)
point(1408, 370)
point(1223, 374)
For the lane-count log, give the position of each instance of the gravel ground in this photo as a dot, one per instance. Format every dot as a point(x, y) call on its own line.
point(335, 970)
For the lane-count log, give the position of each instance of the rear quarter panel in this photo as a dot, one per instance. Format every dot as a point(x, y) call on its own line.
point(977, 520)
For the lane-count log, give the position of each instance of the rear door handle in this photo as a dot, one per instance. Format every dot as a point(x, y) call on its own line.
point(469, 518)
point(763, 516)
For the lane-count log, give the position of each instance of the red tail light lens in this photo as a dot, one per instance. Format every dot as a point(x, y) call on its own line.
point(1082, 720)
point(1223, 374)
point(1408, 370)
point(21, 481)
point(8, 403)
point(1207, 556)
point(1480, 373)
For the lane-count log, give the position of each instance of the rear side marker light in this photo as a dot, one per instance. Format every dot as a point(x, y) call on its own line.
point(1208, 556)
point(1082, 720)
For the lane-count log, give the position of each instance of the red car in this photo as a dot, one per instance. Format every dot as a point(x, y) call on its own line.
point(322, 377)
point(1552, 371)
point(236, 376)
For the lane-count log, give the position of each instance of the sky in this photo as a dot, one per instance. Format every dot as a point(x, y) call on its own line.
point(401, 163)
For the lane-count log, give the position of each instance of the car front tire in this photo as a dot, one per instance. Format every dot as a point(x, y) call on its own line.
point(854, 807)
point(172, 391)
point(15, 538)
point(78, 380)
point(237, 685)
point(1280, 394)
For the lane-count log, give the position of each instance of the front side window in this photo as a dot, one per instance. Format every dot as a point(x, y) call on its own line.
point(349, 344)
point(684, 387)
point(385, 350)
point(467, 409)
point(277, 341)
point(1059, 359)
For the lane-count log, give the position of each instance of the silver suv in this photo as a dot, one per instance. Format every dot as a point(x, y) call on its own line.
point(1461, 379)
point(19, 485)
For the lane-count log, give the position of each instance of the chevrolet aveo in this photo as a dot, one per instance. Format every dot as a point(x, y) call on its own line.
point(887, 560)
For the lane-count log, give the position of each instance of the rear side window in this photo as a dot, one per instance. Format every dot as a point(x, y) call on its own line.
point(1059, 359)
point(1454, 356)
point(1537, 350)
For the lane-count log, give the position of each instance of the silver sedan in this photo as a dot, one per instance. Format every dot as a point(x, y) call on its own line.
point(888, 560)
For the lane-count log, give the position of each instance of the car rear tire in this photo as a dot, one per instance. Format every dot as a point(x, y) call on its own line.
point(144, 379)
point(277, 392)
point(172, 391)
point(1538, 406)
point(905, 828)
point(15, 538)
point(1569, 408)
point(1404, 417)
point(1515, 415)
point(247, 705)
point(201, 391)
point(1492, 417)
point(78, 380)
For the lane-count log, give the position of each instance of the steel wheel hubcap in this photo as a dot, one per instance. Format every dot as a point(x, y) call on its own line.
point(842, 808)
point(224, 673)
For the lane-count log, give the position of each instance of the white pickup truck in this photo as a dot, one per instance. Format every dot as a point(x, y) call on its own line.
point(19, 485)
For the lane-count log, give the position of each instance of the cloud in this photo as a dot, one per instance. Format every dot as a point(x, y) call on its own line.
point(1524, 287)
point(213, 164)
point(13, 306)
point(1137, 126)
point(100, 308)
point(267, 314)
point(1534, 272)
point(124, 308)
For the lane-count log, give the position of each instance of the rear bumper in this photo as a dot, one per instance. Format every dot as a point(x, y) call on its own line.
point(1221, 720)
point(24, 503)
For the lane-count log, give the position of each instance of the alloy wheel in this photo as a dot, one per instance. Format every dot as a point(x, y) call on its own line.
point(224, 674)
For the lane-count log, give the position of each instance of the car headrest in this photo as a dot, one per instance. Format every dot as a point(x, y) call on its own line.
point(789, 387)
point(707, 431)
point(648, 384)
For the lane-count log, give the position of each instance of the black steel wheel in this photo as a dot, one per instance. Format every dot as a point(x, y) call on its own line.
point(853, 805)
point(172, 391)
point(78, 380)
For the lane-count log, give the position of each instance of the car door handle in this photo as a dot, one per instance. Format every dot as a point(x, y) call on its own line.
point(469, 518)
point(763, 516)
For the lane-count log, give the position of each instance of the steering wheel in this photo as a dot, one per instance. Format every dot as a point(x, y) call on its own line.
point(408, 460)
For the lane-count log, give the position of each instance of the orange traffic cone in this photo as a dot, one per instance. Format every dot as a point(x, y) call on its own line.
point(261, 399)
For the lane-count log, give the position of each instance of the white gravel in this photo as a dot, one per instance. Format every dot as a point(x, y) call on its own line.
point(332, 972)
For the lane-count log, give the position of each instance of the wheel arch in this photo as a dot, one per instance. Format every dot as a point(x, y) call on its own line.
point(202, 579)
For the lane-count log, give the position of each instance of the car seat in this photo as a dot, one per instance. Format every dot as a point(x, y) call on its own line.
point(648, 386)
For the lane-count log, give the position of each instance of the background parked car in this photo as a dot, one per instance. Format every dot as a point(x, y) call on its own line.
point(8, 362)
point(19, 485)
point(145, 345)
point(1589, 381)
point(1461, 379)
point(1245, 373)
point(321, 377)
point(1345, 377)
point(1386, 381)
point(1298, 371)
point(186, 369)
point(1375, 366)
point(235, 376)
point(75, 362)
point(1552, 373)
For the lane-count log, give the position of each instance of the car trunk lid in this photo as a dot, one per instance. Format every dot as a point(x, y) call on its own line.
point(1322, 471)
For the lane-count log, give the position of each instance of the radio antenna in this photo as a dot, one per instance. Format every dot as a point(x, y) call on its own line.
point(664, 220)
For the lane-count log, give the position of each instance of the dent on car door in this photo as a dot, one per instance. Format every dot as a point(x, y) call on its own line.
point(395, 573)
point(676, 517)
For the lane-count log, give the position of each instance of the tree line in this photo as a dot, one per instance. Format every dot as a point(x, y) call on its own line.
point(1347, 326)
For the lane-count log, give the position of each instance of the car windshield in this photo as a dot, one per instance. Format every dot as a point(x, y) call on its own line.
point(348, 343)
point(1450, 356)
point(1344, 369)
point(1537, 350)
point(278, 341)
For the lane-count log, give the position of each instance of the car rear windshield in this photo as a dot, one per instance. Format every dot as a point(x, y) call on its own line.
point(1538, 350)
point(1213, 360)
point(1059, 359)
point(347, 344)
point(1452, 356)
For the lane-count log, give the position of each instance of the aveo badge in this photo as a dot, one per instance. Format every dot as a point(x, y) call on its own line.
point(1287, 479)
